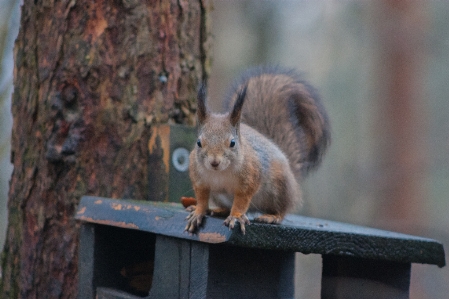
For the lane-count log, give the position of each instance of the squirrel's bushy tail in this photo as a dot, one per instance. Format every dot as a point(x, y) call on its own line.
point(280, 105)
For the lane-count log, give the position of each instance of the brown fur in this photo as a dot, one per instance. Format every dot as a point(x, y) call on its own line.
point(236, 165)
point(283, 107)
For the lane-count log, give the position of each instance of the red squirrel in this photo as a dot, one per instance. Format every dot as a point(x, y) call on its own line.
point(252, 158)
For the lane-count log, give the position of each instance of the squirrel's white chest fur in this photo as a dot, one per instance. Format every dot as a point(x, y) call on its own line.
point(220, 181)
point(222, 185)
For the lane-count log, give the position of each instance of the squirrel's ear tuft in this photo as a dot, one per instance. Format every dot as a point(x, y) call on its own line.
point(238, 105)
point(202, 109)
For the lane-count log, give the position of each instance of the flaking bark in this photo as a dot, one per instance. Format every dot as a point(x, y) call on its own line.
point(90, 78)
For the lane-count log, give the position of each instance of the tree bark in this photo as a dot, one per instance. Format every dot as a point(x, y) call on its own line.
point(91, 78)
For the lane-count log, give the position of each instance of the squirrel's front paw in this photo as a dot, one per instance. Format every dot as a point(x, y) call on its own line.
point(230, 222)
point(191, 208)
point(193, 221)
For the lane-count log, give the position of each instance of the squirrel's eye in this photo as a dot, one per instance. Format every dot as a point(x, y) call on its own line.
point(198, 142)
point(232, 143)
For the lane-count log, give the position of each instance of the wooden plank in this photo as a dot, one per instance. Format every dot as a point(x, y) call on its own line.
point(296, 233)
point(105, 252)
point(199, 270)
point(110, 293)
point(348, 277)
point(180, 269)
point(169, 148)
point(158, 163)
point(236, 272)
point(182, 140)
point(184, 267)
point(86, 289)
point(167, 262)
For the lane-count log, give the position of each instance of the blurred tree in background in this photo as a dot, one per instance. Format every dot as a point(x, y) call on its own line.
point(381, 68)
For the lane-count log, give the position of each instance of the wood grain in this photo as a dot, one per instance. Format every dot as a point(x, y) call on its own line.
point(295, 233)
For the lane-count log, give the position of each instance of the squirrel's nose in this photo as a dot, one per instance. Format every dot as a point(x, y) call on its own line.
point(214, 163)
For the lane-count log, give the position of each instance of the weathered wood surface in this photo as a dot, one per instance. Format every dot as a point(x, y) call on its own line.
point(177, 268)
point(296, 233)
point(169, 148)
point(107, 255)
point(180, 269)
point(108, 293)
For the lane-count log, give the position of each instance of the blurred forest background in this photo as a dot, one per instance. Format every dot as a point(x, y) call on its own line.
point(382, 69)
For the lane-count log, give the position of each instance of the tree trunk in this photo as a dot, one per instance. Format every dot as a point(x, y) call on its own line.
point(91, 77)
point(401, 147)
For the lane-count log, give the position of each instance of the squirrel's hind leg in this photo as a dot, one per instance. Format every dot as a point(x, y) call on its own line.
point(268, 218)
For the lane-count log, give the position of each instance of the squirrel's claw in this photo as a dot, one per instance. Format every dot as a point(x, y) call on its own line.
point(193, 222)
point(230, 222)
point(191, 208)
